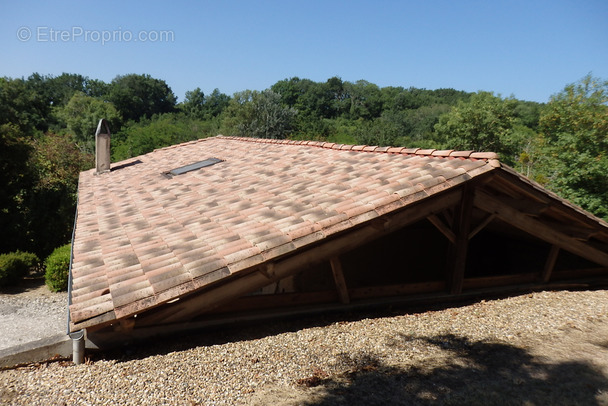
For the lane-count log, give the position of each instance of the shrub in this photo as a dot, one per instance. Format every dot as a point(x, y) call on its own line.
point(16, 265)
point(57, 268)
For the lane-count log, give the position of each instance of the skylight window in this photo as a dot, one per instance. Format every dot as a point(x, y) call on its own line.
point(194, 166)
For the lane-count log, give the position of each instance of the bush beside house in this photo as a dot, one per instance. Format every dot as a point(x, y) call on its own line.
point(57, 268)
point(16, 265)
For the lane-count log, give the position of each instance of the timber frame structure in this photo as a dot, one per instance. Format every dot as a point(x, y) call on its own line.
point(269, 228)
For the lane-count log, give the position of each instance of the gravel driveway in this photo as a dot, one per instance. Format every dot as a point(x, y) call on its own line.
point(546, 348)
point(31, 312)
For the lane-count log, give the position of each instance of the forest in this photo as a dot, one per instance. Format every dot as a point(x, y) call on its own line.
point(47, 126)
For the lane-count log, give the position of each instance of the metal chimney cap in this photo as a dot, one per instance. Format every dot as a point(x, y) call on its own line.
point(102, 147)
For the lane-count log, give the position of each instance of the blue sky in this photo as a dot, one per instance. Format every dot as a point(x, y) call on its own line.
point(528, 49)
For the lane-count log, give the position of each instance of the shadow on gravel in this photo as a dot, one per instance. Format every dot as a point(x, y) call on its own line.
point(132, 350)
point(475, 373)
point(25, 285)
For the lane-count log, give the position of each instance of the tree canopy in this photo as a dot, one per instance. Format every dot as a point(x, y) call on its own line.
point(574, 131)
point(137, 96)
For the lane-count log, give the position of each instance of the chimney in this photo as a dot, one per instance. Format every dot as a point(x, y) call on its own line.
point(102, 147)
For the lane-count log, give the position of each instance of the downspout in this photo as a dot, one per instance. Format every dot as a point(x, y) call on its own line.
point(102, 165)
point(78, 340)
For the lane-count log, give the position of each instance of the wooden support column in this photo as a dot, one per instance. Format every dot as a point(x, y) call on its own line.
point(550, 264)
point(457, 257)
point(336, 268)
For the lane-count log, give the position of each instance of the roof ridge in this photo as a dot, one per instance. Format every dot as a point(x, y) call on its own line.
point(196, 141)
point(448, 153)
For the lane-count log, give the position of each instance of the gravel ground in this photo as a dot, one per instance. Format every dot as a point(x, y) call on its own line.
point(30, 312)
point(534, 349)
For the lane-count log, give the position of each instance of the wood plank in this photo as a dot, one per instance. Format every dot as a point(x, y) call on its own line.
point(482, 225)
point(442, 227)
point(371, 292)
point(537, 228)
point(279, 300)
point(579, 273)
point(457, 257)
point(526, 206)
point(336, 269)
point(514, 186)
point(545, 275)
point(501, 280)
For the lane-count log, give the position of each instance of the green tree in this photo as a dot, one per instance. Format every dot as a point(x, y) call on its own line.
point(23, 107)
point(160, 131)
point(365, 100)
point(259, 114)
point(16, 182)
point(137, 96)
point(202, 107)
point(51, 203)
point(484, 123)
point(574, 127)
point(57, 91)
point(81, 116)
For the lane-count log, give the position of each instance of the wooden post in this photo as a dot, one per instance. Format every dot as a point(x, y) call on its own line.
point(336, 268)
point(458, 253)
point(550, 264)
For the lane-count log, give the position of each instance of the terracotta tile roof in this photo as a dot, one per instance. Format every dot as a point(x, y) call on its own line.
point(143, 237)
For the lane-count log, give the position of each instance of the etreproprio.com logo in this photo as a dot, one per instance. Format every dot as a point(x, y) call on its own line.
point(79, 34)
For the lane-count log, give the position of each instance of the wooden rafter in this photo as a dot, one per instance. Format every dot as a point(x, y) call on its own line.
point(537, 228)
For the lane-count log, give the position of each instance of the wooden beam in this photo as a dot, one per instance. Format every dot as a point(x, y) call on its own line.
point(442, 227)
point(458, 252)
point(500, 280)
point(336, 269)
point(537, 228)
point(549, 264)
point(482, 225)
point(526, 205)
point(371, 292)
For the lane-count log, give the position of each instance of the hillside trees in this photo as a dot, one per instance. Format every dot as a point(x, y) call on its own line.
point(81, 116)
point(484, 123)
point(47, 125)
point(159, 131)
point(137, 96)
point(259, 114)
point(197, 105)
point(23, 107)
point(16, 179)
point(574, 129)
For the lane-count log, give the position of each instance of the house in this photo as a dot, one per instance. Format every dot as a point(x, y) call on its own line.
point(223, 229)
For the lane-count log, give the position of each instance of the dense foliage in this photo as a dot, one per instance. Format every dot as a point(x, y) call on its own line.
point(47, 127)
point(57, 268)
point(16, 265)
